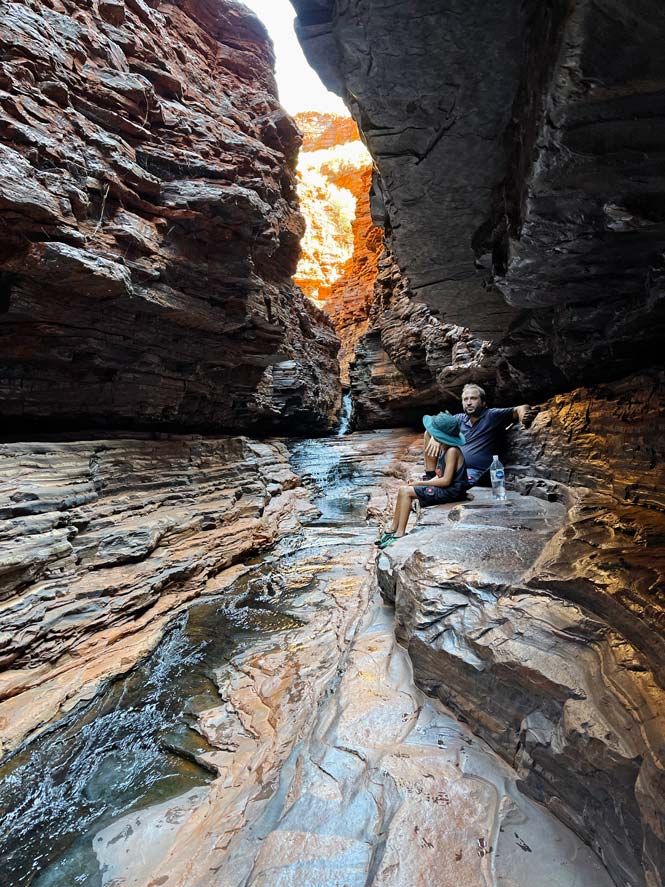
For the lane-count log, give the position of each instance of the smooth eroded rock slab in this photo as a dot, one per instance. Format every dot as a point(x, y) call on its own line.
point(557, 691)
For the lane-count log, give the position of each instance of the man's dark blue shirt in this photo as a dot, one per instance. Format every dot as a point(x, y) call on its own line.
point(483, 438)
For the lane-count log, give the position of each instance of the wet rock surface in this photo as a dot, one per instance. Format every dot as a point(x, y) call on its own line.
point(101, 542)
point(388, 789)
point(151, 225)
point(322, 762)
point(539, 623)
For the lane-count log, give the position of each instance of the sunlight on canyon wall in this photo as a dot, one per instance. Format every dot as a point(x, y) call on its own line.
point(341, 246)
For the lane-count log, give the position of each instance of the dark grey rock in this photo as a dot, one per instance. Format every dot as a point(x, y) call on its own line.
point(519, 153)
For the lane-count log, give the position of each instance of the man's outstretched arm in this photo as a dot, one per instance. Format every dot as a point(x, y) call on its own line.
point(525, 414)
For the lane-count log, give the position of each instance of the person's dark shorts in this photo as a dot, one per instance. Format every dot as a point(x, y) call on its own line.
point(439, 495)
point(478, 477)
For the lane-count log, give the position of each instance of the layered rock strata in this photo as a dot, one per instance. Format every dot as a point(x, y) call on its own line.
point(150, 224)
point(408, 362)
point(604, 448)
point(519, 155)
point(541, 623)
point(330, 767)
point(341, 246)
point(102, 542)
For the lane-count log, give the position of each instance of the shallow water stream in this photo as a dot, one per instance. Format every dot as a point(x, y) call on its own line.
point(136, 744)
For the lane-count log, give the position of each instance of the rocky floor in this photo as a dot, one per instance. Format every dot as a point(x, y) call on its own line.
point(334, 769)
point(558, 692)
point(389, 789)
point(327, 765)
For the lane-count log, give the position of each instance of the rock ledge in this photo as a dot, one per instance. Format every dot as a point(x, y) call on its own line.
point(558, 692)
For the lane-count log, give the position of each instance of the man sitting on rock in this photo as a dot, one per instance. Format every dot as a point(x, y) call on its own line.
point(483, 428)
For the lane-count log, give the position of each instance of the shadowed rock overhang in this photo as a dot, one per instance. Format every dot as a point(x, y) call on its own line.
point(519, 149)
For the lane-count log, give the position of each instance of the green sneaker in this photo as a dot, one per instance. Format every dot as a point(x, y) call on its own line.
point(384, 537)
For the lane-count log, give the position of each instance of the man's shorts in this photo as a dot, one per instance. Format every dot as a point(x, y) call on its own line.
point(439, 495)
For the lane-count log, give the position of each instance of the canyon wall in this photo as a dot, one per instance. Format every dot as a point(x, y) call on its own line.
point(150, 224)
point(519, 151)
point(149, 233)
point(341, 246)
point(519, 157)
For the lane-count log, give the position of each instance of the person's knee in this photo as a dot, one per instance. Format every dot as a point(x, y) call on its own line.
point(405, 491)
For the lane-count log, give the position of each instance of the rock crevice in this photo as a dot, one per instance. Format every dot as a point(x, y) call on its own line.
point(519, 168)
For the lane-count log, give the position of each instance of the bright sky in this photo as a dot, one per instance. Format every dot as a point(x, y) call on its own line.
point(299, 86)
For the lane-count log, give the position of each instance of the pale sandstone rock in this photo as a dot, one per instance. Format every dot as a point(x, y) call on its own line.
point(382, 786)
point(389, 790)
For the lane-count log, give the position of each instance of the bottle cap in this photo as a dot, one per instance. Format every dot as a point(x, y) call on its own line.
point(495, 457)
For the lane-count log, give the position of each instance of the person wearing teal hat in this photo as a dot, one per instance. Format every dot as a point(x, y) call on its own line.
point(449, 485)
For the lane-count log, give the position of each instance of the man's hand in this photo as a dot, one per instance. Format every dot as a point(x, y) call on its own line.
point(526, 414)
point(433, 448)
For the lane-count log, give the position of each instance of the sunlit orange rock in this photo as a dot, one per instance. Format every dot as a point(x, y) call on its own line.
point(341, 246)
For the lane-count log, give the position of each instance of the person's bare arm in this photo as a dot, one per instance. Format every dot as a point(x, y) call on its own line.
point(452, 465)
point(525, 414)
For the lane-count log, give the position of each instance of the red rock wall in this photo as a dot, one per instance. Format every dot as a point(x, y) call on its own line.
point(338, 266)
point(350, 299)
point(150, 223)
point(321, 131)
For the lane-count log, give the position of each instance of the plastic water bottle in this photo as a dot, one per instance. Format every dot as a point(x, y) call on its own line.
point(498, 480)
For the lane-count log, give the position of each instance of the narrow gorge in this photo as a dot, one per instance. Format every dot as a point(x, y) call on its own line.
point(209, 675)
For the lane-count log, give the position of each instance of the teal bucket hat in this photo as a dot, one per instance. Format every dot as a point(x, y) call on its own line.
point(444, 428)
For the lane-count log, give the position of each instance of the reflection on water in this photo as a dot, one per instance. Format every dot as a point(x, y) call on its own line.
point(136, 744)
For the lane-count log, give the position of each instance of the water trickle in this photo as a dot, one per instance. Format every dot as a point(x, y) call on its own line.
point(345, 415)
